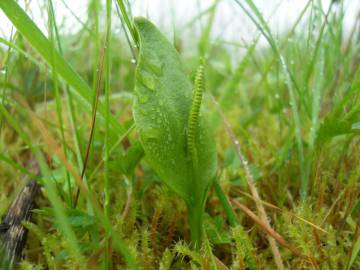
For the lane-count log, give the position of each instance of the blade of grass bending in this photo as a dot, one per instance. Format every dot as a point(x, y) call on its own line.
point(42, 45)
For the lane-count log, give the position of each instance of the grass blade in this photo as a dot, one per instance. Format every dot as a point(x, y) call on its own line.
point(43, 46)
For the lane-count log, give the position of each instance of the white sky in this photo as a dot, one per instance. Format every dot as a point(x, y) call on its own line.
point(230, 22)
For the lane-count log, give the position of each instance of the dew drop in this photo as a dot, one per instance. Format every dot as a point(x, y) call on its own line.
point(143, 99)
point(154, 64)
point(144, 112)
point(187, 95)
point(133, 61)
point(151, 134)
point(245, 162)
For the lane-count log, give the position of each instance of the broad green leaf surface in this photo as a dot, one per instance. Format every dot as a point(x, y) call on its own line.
point(161, 111)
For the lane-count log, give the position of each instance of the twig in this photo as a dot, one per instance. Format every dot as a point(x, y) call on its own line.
point(13, 234)
point(274, 207)
point(270, 231)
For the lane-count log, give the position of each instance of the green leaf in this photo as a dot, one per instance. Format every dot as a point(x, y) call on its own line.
point(356, 209)
point(161, 112)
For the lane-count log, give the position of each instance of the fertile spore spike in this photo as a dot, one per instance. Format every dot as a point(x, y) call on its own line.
point(193, 122)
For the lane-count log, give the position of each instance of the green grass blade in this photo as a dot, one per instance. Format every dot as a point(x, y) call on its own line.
point(354, 253)
point(43, 46)
point(107, 105)
point(262, 26)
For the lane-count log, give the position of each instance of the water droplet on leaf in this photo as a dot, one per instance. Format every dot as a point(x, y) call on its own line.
point(151, 134)
point(143, 99)
point(144, 112)
point(146, 79)
point(154, 64)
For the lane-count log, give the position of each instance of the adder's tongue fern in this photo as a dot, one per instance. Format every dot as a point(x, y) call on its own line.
point(166, 104)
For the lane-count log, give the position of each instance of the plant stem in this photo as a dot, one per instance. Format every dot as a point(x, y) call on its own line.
point(195, 214)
